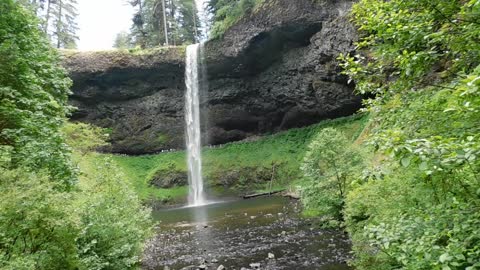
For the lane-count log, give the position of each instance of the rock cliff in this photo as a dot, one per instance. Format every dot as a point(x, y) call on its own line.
point(275, 69)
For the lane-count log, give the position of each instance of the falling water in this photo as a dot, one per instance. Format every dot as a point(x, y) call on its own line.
point(192, 118)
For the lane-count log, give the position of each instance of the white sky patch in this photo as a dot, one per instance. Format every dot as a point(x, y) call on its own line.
point(100, 21)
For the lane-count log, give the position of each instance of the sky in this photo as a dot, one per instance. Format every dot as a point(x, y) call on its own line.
point(100, 21)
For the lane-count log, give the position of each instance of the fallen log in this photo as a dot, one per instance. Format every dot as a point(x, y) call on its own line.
point(249, 196)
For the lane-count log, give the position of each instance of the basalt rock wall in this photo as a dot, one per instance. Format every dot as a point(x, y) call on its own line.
point(275, 69)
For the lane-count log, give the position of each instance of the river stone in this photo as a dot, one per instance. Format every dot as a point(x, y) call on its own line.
point(271, 256)
point(221, 267)
point(255, 265)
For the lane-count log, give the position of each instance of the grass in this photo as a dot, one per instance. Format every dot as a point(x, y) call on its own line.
point(240, 167)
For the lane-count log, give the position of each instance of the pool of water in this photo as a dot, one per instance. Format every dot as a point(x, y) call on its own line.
point(240, 234)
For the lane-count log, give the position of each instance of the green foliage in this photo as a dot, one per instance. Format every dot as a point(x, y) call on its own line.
point(33, 93)
point(419, 205)
point(84, 138)
point(100, 224)
point(37, 223)
point(114, 223)
point(331, 164)
point(47, 219)
point(227, 12)
point(58, 20)
point(244, 161)
point(148, 29)
point(122, 41)
point(410, 44)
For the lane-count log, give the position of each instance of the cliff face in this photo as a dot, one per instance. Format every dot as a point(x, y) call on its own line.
point(273, 70)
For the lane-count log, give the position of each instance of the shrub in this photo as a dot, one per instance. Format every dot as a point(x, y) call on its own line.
point(114, 223)
point(38, 224)
point(331, 164)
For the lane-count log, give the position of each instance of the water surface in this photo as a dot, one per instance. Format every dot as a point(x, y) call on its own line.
point(240, 234)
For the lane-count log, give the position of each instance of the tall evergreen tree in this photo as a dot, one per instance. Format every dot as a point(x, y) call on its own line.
point(64, 23)
point(57, 19)
point(155, 17)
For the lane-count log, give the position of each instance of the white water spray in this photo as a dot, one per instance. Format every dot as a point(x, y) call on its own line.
point(193, 134)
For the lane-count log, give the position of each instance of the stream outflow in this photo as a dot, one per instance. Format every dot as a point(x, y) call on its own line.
point(261, 233)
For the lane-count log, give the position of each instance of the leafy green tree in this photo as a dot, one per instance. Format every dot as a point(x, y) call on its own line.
point(331, 165)
point(122, 41)
point(33, 92)
point(114, 224)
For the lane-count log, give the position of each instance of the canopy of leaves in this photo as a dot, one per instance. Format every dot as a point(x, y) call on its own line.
point(33, 97)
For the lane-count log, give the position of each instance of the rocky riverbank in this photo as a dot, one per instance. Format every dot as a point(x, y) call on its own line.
point(262, 233)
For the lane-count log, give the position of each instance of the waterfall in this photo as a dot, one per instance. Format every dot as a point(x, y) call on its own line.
point(192, 118)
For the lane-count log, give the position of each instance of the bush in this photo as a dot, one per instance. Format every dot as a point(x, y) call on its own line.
point(114, 225)
point(38, 224)
point(331, 164)
point(420, 209)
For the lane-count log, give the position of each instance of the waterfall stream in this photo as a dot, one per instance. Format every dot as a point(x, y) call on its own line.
point(193, 133)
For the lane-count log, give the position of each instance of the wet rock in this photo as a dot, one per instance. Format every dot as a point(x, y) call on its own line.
point(255, 265)
point(221, 267)
point(271, 256)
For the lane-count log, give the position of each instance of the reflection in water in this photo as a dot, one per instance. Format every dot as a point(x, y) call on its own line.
point(203, 233)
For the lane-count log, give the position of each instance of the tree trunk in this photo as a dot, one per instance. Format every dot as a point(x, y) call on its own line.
point(165, 22)
point(59, 23)
point(47, 17)
point(195, 32)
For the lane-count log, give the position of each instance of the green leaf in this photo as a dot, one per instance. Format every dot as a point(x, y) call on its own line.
point(445, 257)
point(406, 161)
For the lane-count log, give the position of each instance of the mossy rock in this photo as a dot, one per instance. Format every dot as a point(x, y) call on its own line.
point(168, 178)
